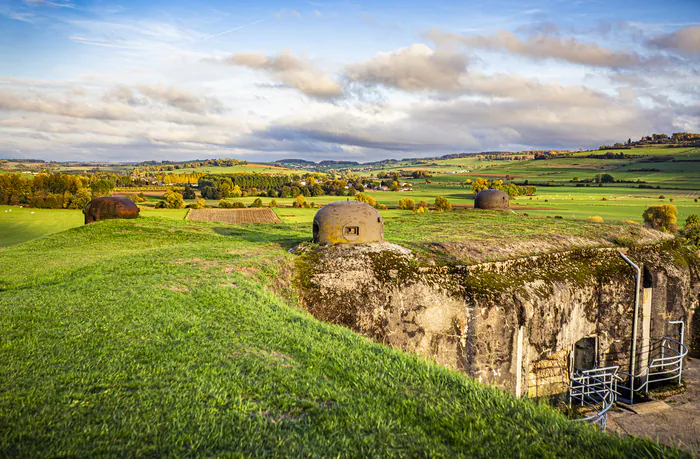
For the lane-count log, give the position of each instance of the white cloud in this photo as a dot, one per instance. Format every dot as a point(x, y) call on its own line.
point(290, 70)
point(544, 46)
point(414, 68)
point(685, 40)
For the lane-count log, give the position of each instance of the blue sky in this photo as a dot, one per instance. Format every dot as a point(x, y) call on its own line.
point(87, 80)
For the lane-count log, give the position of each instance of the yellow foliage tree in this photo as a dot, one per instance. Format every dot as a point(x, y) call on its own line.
point(663, 217)
point(479, 185)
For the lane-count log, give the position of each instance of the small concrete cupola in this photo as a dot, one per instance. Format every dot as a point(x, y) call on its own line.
point(491, 200)
point(348, 222)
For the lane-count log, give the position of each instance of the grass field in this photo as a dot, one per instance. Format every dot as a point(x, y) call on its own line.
point(23, 224)
point(123, 168)
point(471, 236)
point(233, 216)
point(247, 168)
point(163, 337)
point(19, 225)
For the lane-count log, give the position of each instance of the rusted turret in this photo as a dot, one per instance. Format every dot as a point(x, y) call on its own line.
point(110, 207)
point(348, 222)
point(491, 200)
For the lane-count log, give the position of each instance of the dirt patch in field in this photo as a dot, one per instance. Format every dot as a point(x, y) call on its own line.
point(234, 216)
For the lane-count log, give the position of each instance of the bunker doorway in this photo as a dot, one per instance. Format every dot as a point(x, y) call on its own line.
point(585, 354)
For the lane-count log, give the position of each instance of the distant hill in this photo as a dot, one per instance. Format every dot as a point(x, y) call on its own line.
point(293, 161)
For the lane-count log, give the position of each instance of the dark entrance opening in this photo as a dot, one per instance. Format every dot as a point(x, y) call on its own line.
point(648, 279)
point(316, 231)
point(585, 354)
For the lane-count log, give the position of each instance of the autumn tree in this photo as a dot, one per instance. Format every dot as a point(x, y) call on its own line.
point(300, 202)
point(662, 217)
point(442, 204)
point(172, 200)
point(480, 184)
point(198, 203)
point(407, 204)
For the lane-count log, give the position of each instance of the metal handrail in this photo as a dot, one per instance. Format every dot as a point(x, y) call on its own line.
point(597, 389)
point(660, 369)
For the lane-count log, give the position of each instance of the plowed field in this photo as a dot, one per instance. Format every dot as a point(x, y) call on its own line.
point(234, 216)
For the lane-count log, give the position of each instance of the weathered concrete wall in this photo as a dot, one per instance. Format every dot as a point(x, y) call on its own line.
point(498, 321)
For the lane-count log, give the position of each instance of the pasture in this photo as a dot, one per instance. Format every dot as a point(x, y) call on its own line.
point(19, 224)
point(165, 337)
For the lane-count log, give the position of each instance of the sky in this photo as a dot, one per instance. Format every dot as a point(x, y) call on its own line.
point(345, 80)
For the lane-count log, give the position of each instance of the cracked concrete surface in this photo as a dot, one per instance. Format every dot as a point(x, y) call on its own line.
point(675, 421)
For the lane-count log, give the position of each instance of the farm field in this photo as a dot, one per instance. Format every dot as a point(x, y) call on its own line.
point(193, 321)
point(242, 168)
point(233, 216)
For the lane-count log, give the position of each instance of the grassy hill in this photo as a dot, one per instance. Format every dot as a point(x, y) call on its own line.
point(161, 337)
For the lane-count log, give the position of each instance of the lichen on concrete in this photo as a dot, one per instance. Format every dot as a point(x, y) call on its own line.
point(468, 317)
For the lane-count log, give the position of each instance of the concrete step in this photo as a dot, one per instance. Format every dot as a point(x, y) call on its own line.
point(653, 406)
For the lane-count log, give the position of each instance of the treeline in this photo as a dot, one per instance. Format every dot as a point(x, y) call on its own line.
point(276, 186)
point(677, 138)
point(511, 189)
point(149, 167)
point(53, 191)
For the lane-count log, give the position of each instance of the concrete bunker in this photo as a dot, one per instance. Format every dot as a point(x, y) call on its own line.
point(491, 200)
point(109, 207)
point(556, 315)
point(348, 222)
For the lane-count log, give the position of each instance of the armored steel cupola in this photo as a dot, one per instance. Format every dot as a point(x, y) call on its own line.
point(491, 200)
point(348, 222)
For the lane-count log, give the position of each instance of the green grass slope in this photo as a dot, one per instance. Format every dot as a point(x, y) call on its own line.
point(158, 337)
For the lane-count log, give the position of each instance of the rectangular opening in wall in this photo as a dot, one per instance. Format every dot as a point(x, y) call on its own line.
point(352, 230)
point(585, 353)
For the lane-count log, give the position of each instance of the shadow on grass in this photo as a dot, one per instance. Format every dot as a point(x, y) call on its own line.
point(267, 233)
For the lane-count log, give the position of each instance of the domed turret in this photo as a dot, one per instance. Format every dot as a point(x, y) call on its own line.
point(348, 222)
point(491, 200)
point(110, 207)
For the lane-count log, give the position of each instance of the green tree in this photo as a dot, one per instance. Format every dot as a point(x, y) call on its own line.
point(692, 234)
point(692, 220)
point(80, 199)
point(189, 193)
point(316, 190)
point(604, 178)
point(101, 187)
point(273, 203)
point(394, 186)
point(257, 203)
point(662, 217)
point(442, 204)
